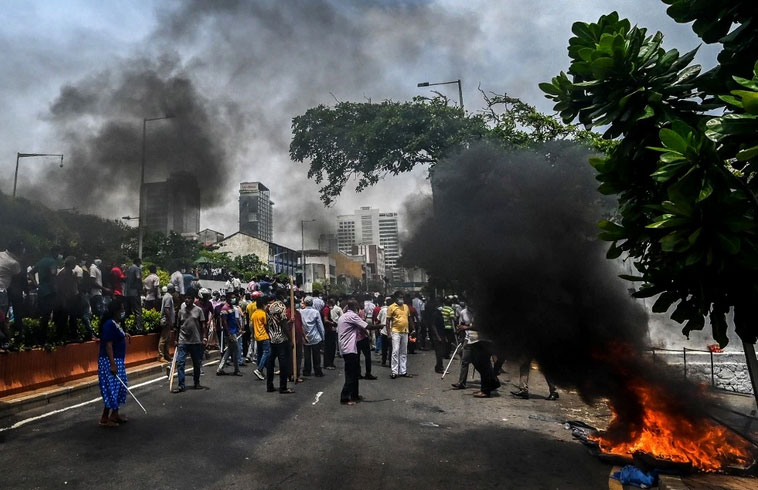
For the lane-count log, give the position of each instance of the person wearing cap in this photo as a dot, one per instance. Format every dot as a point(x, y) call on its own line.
point(204, 303)
point(167, 321)
point(314, 337)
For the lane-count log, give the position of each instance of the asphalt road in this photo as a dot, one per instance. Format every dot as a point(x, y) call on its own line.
point(409, 433)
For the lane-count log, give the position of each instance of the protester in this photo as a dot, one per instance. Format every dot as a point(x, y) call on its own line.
point(133, 293)
point(260, 336)
point(231, 328)
point(386, 335)
point(398, 323)
point(349, 326)
point(299, 341)
point(167, 321)
point(330, 335)
point(117, 278)
point(190, 335)
point(314, 337)
point(96, 290)
point(46, 270)
point(467, 357)
point(68, 303)
point(85, 286)
point(525, 366)
point(177, 279)
point(280, 346)
point(111, 365)
point(318, 303)
point(451, 320)
point(10, 267)
point(432, 317)
point(204, 303)
point(152, 289)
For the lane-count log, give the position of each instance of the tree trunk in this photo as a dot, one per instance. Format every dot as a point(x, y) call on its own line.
point(752, 367)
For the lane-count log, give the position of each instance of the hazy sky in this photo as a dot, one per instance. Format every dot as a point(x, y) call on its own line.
point(78, 76)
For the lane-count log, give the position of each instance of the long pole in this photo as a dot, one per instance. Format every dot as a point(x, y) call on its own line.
point(140, 223)
point(302, 249)
point(460, 93)
point(294, 339)
point(15, 176)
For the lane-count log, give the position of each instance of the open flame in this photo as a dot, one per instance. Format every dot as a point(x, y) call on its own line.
point(674, 435)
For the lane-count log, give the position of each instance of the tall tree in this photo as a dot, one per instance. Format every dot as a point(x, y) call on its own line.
point(365, 141)
point(684, 178)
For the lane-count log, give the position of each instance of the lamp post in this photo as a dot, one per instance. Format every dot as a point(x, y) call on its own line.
point(460, 88)
point(19, 156)
point(302, 244)
point(141, 227)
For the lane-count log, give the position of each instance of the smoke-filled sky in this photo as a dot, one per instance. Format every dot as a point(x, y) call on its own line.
point(78, 77)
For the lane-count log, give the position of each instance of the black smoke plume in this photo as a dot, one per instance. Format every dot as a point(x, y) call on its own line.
point(517, 231)
point(100, 119)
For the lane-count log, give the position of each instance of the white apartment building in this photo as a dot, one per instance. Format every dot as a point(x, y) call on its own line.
point(368, 226)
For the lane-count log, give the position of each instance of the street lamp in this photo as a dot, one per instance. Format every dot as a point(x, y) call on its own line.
point(27, 155)
point(460, 88)
point(142, 181)
point(302, 244)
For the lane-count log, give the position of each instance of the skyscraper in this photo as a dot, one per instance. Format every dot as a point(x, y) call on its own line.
point(173, 205)
point(368, 226)
point(256, 216)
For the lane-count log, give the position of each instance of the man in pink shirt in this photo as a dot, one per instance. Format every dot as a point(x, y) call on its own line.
point(350, 328)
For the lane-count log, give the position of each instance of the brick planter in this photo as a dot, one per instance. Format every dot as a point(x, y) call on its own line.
point(37, 368)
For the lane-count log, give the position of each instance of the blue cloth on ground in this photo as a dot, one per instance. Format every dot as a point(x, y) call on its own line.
point(631, 475)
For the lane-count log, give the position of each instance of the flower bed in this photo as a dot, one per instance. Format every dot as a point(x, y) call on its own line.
point(36, 368)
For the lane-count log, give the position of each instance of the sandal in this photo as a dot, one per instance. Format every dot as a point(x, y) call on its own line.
point(108, 423)
point(349, 403)
point(287, 391)
point(481, 394)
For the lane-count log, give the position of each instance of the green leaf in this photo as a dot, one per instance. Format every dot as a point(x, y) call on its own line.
point(667, 223)
point(631, 278)
point(731, 100)
point(549, 88)
point(672, 140)
point(747, 154)
point(647, 113)
point(730, 244)
point(614, 252)
point(664, 301)
point(601, 66)
point(706, 190)
point(746, 83)
point(750, 102)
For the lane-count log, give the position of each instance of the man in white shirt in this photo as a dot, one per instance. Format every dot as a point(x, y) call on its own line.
point(152, 288)
point(96, 287)
point(177, 279)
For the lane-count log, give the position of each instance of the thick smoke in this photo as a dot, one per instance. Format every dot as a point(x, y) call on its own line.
point(517, 231)
point(100, 119)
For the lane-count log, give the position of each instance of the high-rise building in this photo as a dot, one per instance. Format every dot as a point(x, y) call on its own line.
point(327, 242)
point(256, 216)
point(390, 240)
point(173, 205)
point(368, 226)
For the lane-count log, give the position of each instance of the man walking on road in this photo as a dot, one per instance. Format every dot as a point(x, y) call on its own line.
point(349, 326)
point(398, 321)
point(277, 324)
point(152, 289)
point(228, 317)
point(330, 337)
point(314, 336)
point(191, 334)
point(167, 321)
point(260, 336)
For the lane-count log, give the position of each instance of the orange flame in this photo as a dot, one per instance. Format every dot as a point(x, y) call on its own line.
point(665, 434)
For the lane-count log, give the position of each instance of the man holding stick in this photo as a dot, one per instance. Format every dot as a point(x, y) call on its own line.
point(191, 334)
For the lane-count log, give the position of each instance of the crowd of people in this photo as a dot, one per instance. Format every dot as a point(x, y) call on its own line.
point(259, 321)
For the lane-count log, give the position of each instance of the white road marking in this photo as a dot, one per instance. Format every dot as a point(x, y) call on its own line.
point(21, 423)
point(318, 395)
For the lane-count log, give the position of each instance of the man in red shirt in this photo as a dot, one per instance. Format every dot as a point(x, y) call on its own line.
point(117, 283)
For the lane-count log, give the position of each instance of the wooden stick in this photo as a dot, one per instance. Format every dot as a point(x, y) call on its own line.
point(294, 339)
point(173, 369)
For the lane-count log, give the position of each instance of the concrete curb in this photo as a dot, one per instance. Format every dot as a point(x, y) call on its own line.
point(81, 388)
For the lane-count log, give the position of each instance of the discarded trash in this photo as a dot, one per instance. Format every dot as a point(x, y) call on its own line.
point(631, 475)
point(318, 395)
point(429, 424)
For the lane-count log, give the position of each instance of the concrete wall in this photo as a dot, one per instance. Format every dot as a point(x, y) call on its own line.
point(729, 369)
point(240, 244)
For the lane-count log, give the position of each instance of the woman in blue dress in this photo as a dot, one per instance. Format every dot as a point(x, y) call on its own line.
point(111, 364)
